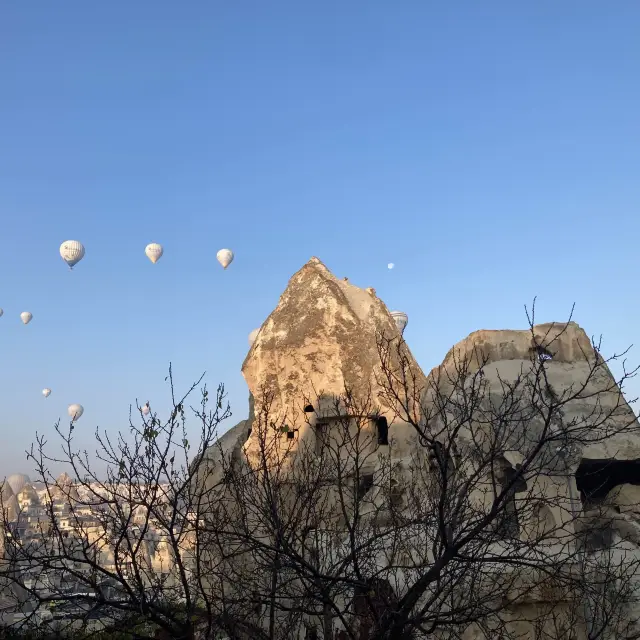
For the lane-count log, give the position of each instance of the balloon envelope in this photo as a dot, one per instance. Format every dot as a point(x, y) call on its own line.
point(225, 257)
point(154, 251)
point(17, 481)
point(252, 336)
point(401, 319)
point(72, 252)
point(390, 265)
point(25, 316)
point(75, 411)
point(46, 392)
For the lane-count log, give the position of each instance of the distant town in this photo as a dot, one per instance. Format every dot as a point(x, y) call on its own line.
point(39, 517)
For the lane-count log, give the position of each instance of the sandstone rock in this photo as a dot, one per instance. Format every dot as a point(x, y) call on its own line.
point(227, 447)
point(320, 340)
point(63, 486)
point(570, 358)
point(8, 501)
point(565, 342)
point(627, 498)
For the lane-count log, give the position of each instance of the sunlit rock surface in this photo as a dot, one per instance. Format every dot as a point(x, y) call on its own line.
point(323, 338)
point(319, 341)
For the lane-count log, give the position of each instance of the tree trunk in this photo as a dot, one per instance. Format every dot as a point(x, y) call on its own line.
point(327, 622)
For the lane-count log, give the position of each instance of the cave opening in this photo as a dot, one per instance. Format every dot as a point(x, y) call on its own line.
point(595, 479)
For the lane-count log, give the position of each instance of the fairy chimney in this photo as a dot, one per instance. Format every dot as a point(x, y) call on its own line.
point(322, 339)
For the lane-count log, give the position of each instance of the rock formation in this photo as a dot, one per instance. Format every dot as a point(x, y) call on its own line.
point(9, 501)
point(63, 487)
point(323, 338)
point(228, 447)
point(570, 357)
point(320, 341)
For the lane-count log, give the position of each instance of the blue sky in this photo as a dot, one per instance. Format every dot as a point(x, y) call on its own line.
point(491, 150)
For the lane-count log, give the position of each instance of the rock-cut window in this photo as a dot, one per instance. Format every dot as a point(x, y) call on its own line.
point(365, 483)
point(542, 353)
point(509, 483)
point(382, 427)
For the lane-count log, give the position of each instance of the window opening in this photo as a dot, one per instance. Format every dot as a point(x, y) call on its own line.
point(508, 522)
point(291, 433)
point(383, 430)
point(595, 479)
point(509, 474)
point(542, 353)
point(440, 462)
point(365, 483)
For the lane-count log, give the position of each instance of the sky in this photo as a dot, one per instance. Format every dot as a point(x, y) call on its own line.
point(491, 150)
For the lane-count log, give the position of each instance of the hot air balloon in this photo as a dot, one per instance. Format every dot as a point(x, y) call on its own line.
point(225, 257)
point(25, 316)
point(252, 336)
point(75, 411)
point(401, 319)
point(17, 481)
point(154, 251)
point(146, 409)
point(390, 265)
point(72, 252)
point(46, 392)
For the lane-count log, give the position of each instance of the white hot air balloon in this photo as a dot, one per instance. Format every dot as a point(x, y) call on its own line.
point(25, 316)
point(390, 265)
point(401, 319)
point(252, 336)
point(46, 392)
point(17, 481)
point(225, 257)
point(72, 252)
point(154, 251)
point(75, 411)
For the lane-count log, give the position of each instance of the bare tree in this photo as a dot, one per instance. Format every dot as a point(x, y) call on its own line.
point(464, 504)
point(460, 520)
point(115, 549)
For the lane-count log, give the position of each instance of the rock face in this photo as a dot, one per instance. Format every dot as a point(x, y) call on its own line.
point(9, 501)
point(570, 359)
point(320, 340)
point(597, 412)
point(227, 447)
point(324, 336)
point(566, 342)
